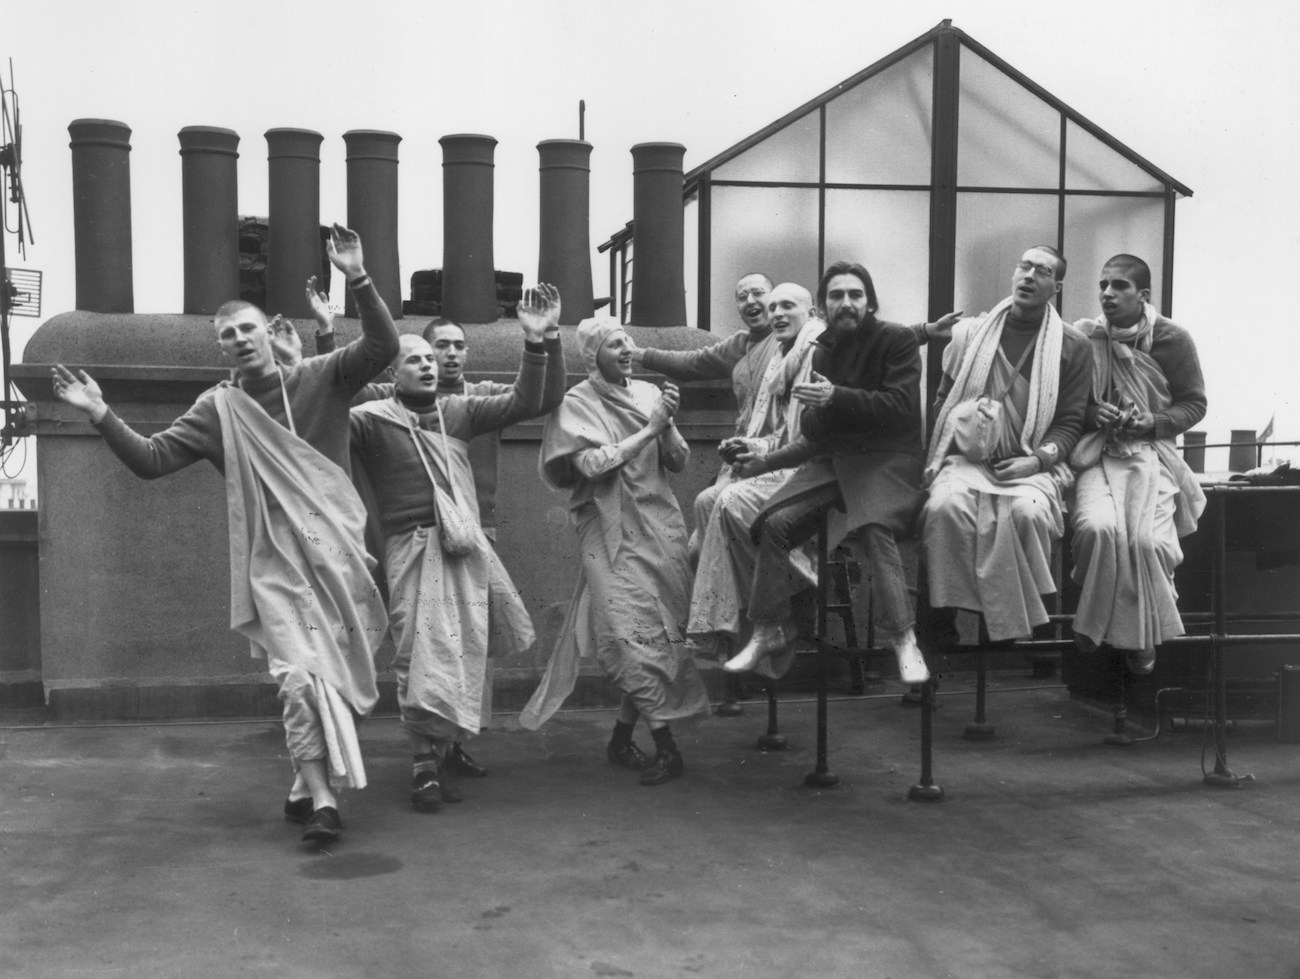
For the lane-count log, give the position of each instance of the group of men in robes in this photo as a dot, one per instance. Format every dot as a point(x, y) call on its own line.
point(1035, 421)
point(318, 459)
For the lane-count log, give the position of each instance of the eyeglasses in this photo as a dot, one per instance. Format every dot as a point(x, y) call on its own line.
point(758, 292)
point(1043, 271)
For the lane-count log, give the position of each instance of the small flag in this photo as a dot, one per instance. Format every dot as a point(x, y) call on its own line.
point(1267, 434)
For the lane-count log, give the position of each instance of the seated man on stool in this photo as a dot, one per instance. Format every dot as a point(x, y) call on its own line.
point(1009, 410)
point(861, 426)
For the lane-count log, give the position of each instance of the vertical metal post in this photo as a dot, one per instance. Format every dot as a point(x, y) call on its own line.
point(926, 790)
point(1119, 735)
point(821, 776)
point(704, 260)
point(1221, 777)
point(979, 729)
point(772, 740)
point(1167, 272)
point(943, 195)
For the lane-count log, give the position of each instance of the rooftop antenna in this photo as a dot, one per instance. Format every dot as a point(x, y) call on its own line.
point(582, 118)
point(20, 290)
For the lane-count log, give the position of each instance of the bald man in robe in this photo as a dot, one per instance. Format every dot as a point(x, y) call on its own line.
point(301, 589)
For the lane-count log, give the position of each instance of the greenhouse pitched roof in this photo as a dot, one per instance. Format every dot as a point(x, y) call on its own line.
point(944, 27)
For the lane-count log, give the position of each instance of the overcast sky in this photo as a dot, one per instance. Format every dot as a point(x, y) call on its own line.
point(1208, 91)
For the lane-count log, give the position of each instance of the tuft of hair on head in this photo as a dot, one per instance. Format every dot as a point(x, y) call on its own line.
point(1135, 270)
point(234, 307)
point(1056, 254)
point(404, 344)
point(432, 328)
point(848, 268)
point(762, 275)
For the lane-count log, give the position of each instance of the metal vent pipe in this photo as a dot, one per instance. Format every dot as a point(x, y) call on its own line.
point(658, 227)
point(372, 210)
point(210, 216)
point(469, 292)
point(564, 247)
point(293, 252)
point(101, 214)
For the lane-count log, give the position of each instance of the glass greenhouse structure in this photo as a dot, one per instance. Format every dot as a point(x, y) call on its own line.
point(935, 167)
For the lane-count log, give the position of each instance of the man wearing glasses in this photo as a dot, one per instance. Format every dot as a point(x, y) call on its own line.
point(1009, 410)
point(743, 357)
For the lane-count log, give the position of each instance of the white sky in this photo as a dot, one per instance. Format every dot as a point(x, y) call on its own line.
point(1207, 91)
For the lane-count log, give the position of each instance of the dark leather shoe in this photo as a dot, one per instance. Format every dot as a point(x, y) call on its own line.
point(450, 790)
point(298, 811)
point(667, 765)
point(426, 790)
point(463, 764)
point(323, 826)
point(628, 755)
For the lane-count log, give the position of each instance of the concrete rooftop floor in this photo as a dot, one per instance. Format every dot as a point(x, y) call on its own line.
point(160, 850)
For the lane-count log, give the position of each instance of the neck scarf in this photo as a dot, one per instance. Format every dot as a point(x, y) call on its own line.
point(973, 375)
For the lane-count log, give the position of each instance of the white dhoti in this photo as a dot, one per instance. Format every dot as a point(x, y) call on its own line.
point(725, 573)
point(988, 545)
point(300, 582)
point(448, 615)
point(1126, 548)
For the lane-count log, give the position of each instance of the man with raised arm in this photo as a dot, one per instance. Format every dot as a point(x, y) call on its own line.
point(451, 603)
point(300, 584)
point(1135, 495)
point(450, 349)
point(1009, 410)
point(744, 357)
point(861, 439)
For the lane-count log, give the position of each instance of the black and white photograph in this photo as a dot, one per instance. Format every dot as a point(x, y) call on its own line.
point(562, 488)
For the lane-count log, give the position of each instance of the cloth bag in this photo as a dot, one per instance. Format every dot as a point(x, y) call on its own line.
point(455, 526)
point(977, 425)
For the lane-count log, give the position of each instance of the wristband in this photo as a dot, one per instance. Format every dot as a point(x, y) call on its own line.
point(360, 282)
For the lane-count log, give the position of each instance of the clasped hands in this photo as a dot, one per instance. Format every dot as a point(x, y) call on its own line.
point(670, 399)
point(1132, 421)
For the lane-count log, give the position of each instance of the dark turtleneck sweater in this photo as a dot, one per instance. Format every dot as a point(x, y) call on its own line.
point(484, 450)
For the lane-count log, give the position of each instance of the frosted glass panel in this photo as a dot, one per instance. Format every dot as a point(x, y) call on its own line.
point(878, 132)
point(760, 229)
point(993, 231)
point(888, 231)
point(791, 155)
point(1097, 228)
point(691, 257)
point(1007, 136)
point(1092, 165)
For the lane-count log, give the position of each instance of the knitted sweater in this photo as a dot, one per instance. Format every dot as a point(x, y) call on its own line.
point(400, 484)
point(320, 391)
point(1172, 348)
point(485, 449)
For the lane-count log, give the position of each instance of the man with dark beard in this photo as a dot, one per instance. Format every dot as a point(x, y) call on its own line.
point(861, 437)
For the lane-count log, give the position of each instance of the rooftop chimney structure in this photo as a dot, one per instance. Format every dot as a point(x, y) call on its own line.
point(210, 215)
point(564, 247)
point(469, 292)
point(293, 249)
point(372, 211)
point(658, 226)
point(101, 214)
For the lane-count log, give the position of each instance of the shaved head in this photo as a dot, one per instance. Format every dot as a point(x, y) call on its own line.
point(407, 344)
point(794, 291)
point(237, 306)
point(1135, 270)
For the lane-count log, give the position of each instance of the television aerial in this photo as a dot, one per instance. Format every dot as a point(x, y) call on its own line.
point(20, 292)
